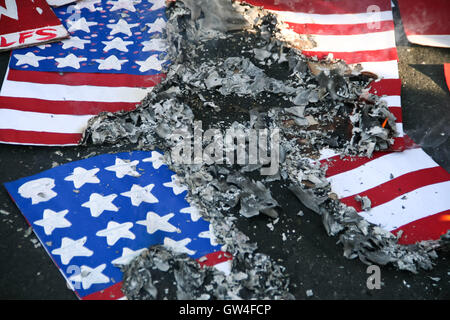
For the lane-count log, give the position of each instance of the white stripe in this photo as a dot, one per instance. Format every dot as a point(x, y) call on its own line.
point(355, 42)
point(399, 127)
point(225, 267)
point(392, 101)
point(58, 3)
point(378, 171)
point(58, 92)
point(420, 203)
point(42, 122)
point(350, 18)
point(384, 69)
point(326, 153)
point(439, 40)
point(40, 144)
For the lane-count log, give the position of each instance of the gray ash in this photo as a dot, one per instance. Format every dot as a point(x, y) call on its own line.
point(159, 273)
point(238, 66)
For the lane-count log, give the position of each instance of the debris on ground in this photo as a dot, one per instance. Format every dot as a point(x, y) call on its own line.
point(147, 277)
point(366, 204)
point(241, 68)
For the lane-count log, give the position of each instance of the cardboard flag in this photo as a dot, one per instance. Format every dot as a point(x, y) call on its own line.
point(354, 31)
point(95, 214)
point(112, 60)
point(426, 22)
point(28, 22)
point(408, 190)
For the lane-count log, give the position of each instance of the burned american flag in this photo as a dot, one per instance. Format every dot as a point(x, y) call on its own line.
point(97, 214)
point(111, 61)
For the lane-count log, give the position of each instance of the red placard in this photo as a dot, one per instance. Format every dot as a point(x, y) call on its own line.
point(426, 22)
point(28, 22)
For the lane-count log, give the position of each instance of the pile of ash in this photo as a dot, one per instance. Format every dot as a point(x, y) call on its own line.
point(237, 67)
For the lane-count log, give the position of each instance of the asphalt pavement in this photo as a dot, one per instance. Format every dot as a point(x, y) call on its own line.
point(315, 262)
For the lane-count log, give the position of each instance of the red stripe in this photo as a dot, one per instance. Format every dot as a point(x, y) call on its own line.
point(41, 138)
point(398, 145)
point(409, 143)
point(428, 228)
point(400, 185)
point(340, 29)
point(79, 79)
point(215, 258)
point(397, 112)
point(336, 165)
point(63, 107)
point(323, 6)
point(389, 87)
point(425, 17)
point(113, 292)
point(357, 56)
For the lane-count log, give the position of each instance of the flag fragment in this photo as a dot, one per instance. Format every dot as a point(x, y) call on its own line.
point(112, 60)
point(96, 214)
point(408, 190)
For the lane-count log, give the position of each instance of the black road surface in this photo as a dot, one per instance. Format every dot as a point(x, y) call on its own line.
point(314, 261)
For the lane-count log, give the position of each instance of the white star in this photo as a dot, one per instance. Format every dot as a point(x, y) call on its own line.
point(157, 26)
point(175, 185)
point(72, 248)
point(81, 24)
point(139, 194)
point(52, 220)
point(178, 246)
point(70, 60)
point(158, 4)
point(116, 43)
point(152, 63)
point(127, 256)
point(74, 42)
point(115, 231)
point(154, 222)
point(122, 4)
point(121, 27)
point(28, 58)
point(154, 45)
point(89, 276)
point(209, 235)
point(39, 190)
point(110, 63)
point(98, 203)
point(156, 159)
point(124, 168)
point(193, 211)
point(80, 176)
point(88, 4)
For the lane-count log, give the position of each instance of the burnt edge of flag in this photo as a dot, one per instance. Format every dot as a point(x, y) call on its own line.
point(32, 211)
